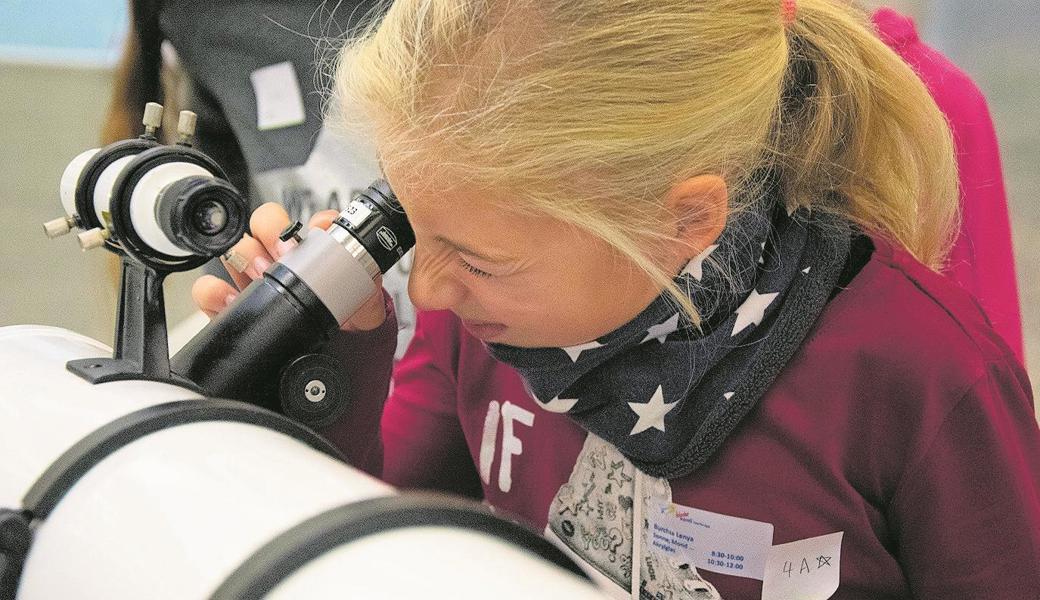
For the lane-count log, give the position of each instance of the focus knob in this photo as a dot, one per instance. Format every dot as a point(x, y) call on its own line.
point(313, 390)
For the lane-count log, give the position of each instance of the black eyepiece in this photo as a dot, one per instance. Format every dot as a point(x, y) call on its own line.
point(203, 215)
point(375, 217)
point(210, 217)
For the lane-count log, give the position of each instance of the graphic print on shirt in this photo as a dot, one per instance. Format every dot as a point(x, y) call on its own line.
point(509, 414)
point(592, 515)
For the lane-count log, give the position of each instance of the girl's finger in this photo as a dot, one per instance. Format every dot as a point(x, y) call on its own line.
point(212, 294)
point(249, 260)
point(266, 224)
point(322, 220)
point(371, 314)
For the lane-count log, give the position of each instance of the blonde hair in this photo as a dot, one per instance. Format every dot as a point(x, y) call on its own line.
point(593, 109)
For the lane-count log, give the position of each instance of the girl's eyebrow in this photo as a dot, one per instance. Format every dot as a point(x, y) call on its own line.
point(467, 250)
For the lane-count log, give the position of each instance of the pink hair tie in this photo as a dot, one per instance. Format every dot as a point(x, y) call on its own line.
point(788, 11)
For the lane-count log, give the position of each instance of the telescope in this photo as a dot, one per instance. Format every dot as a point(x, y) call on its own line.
point(124, 474)
point(139, 489)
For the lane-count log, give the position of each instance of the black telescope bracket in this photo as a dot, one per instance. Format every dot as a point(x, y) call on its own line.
point(141, 343)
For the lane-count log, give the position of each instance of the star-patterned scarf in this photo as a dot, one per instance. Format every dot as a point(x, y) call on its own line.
point(667, 394)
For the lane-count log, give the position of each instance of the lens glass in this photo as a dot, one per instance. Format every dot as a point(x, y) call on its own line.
point(209, 217)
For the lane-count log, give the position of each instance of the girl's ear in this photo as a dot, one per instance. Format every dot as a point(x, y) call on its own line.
point(700, 207)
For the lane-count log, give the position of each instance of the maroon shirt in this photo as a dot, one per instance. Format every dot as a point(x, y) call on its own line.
point(904, 421)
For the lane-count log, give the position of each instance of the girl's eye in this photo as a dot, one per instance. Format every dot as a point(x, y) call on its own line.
point(473, 270)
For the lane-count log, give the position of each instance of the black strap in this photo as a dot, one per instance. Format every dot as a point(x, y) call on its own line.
point(71, 466)
point(277, 560)
point(15, 539)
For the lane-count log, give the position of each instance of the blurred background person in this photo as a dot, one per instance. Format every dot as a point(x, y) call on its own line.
point(982, 260)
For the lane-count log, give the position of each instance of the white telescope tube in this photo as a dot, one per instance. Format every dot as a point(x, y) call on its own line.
point(185, 511)
point(44, 409)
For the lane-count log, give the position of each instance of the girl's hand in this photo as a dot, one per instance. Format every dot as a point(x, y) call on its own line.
point(212, 294)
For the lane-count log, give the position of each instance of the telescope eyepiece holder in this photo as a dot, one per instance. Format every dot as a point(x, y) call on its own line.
point(168, 208)
point(161, 209)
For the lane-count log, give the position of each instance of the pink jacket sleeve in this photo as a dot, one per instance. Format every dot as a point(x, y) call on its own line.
point(424, 445)
point(982, 260)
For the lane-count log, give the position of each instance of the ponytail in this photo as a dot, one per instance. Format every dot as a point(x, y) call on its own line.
point(855, 119)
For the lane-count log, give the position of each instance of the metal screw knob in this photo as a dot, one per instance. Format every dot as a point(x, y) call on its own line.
point(95, 238)
point(186, 126)
point(152, 120)
point(59, 227)
point(291, 232)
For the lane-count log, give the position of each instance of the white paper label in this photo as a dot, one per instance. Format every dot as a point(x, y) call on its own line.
point(808, 569)
point(279, 102)
point(357, 213)
point(711, 541)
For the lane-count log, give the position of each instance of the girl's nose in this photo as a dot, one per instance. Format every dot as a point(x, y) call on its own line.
point(431, 284)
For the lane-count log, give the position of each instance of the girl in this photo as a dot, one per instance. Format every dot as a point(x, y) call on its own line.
point(677, 266)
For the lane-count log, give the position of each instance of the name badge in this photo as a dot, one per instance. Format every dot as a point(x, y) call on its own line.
point(711, 541)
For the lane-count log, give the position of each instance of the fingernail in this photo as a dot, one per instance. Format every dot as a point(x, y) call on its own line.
point(229, 299)
point(283, 246)
point(256, 270)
